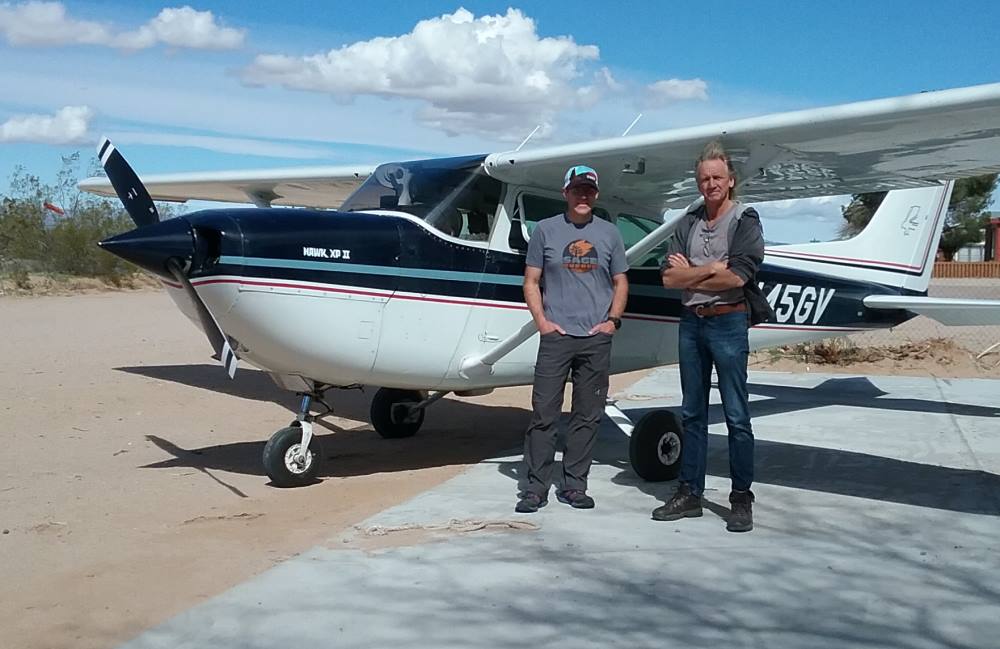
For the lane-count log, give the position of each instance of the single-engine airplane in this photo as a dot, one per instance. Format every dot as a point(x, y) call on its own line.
point(408, 275)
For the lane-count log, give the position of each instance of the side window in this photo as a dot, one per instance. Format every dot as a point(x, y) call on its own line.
point(535, 208)
point(633, 229)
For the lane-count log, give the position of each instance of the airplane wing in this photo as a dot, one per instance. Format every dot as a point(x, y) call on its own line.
point(949, 311)
point(885, 144)
point(320, 187)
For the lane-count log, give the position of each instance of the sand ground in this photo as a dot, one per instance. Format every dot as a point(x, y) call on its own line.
point(131, 486)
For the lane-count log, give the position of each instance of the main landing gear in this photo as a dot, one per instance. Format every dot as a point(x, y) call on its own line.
point(655, 442)
point(292, 455)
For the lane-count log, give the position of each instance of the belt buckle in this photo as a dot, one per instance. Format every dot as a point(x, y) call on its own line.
point(698, 310)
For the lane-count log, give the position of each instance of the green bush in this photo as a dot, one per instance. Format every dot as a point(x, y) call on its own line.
point(73, 243)
point(22, 230)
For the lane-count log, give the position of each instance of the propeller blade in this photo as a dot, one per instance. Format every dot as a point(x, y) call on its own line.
point(127, 185)
point(220, 344)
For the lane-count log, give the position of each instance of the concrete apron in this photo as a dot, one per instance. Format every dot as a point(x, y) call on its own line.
point(877, 525)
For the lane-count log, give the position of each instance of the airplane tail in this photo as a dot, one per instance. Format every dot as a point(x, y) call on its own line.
point(896, 249)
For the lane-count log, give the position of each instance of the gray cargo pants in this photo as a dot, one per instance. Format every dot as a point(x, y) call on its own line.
point(586, 361)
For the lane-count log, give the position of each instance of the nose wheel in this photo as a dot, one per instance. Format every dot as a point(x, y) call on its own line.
point(288, 461)
point(292, 455)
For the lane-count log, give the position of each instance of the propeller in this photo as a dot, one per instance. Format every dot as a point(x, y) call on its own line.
point(127, 185)
point(140, 207)
point(223, 351)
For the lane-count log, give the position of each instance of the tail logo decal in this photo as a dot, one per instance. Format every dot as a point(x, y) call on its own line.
point(912, 222)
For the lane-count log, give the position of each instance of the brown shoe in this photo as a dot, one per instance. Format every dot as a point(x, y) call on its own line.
point(741, 520)
point(683, 504)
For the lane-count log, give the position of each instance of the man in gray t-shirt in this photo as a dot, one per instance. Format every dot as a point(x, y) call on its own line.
point(575, 288)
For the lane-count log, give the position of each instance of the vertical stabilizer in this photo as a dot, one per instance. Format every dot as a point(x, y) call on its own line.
point(897, 248)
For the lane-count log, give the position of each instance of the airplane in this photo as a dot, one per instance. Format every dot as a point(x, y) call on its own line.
point(407, 275)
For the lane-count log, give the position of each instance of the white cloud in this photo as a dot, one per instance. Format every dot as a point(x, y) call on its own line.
point(183, 27)
point(668, 91)
point(68, 126)
point(490, 74)
point(47, 24)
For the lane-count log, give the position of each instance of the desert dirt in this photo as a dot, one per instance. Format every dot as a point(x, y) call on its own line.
point(131, 485)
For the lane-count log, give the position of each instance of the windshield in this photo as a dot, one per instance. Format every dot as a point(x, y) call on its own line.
point(452, 195)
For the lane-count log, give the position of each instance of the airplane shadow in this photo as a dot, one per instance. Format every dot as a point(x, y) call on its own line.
point(458, 432)
point(455, 432)
point(847, 473)
point(855, 391)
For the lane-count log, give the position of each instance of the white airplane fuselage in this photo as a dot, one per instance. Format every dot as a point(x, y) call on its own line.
point(385, 299)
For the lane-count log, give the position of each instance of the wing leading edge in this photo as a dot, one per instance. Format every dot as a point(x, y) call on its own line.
point(884, 144)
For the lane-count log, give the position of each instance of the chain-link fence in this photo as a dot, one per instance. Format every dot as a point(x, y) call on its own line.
point(976, 340)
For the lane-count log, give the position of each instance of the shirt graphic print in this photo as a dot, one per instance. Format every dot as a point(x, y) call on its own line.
point(580, 256)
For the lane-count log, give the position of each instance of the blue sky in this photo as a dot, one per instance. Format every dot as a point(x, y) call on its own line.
point(236, 85)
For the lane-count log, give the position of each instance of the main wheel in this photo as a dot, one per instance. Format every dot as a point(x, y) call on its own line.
point(391, 416)
point(281, 458)
point(655, 447)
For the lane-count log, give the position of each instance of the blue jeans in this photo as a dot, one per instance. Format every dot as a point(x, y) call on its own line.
point(720, 340)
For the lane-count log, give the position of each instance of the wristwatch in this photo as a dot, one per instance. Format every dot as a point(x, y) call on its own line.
point(617, 322)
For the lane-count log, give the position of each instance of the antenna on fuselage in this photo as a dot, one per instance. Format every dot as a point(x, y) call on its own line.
point(634, 122)
point(525, 141)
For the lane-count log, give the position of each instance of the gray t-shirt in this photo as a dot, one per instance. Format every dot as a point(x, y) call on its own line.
point(708, 244)
point(577, 262)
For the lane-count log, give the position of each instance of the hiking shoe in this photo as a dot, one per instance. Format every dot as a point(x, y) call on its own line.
point(741, 519)
point(683, 504)
point(575, 498)
point(530, 503)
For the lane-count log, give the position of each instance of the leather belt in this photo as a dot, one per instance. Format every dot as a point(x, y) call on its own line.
point(711, 310)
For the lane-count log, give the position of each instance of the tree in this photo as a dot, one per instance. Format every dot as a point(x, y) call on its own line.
point(859, 212)
point(964, 223)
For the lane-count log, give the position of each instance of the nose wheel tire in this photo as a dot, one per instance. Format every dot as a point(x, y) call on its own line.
point(655, 448)
point(392, 414)
point(284, 462)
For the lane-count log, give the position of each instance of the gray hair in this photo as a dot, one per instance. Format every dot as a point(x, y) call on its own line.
point(714, 151)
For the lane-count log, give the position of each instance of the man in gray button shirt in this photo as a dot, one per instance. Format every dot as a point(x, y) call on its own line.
point(714, 255)
point(575, 288)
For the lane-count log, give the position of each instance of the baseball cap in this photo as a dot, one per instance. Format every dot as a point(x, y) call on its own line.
point(580, 175)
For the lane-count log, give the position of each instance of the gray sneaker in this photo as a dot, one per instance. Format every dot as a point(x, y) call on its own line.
point(683, 504)
point(530, 503)
point(575, 498)
point(741, 518)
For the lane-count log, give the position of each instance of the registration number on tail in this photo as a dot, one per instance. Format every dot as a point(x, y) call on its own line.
point(799, 304)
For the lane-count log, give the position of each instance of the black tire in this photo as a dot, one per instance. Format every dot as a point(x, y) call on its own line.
point(389, 419)
point(655, 448)
point(278, 461)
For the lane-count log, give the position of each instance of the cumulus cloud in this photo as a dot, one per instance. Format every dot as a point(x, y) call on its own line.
point(47, 24)
point(68, 126)
point(183, 27)
point(669, 91)
point(492, 73)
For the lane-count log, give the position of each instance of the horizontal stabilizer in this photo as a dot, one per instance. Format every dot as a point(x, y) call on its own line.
point(946, 310)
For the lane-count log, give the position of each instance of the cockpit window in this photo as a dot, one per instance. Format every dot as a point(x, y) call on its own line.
point(452, 195)
point(537, 208)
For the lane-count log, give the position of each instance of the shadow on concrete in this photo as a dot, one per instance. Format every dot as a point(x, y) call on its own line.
point(459, 432)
